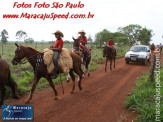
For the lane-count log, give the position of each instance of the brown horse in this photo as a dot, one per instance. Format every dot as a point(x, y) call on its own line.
point(76, 48)
point(152, 48)
point(6, 80)
point(109, 53)
point(35, 58)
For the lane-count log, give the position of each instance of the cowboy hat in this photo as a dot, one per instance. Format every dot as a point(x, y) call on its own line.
point(59, 33)
point(82, 31)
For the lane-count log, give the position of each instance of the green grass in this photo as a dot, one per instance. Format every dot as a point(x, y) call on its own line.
point(23, 74)
point(142, 99)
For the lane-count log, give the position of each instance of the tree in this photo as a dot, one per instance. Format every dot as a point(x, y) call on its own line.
point(145, 36)
point(131, 31)
point(102, 37)
point(21, 35)
point(4, 36)
point(29, 40)
point(90, 39)
point(122, 39)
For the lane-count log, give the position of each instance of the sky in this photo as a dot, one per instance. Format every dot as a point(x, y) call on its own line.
point(108, 14)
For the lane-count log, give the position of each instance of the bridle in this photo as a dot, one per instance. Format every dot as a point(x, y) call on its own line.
point(38, 60)
point(24, 61)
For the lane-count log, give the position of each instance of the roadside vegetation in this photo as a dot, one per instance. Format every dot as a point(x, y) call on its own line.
point(142, 99)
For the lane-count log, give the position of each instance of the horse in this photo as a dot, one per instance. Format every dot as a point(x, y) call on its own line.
point(6, 80)
point(76, 48)
point(35, 58)
point(152, 48)
point(110, 54)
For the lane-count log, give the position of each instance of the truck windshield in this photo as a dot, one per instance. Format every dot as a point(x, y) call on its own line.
point(138, 49)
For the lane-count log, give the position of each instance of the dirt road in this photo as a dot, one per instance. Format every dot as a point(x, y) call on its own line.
point(101, 100)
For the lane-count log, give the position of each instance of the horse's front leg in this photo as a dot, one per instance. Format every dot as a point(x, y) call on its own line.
point(111, 65)
point(83, 67)
point(35, 81)
point(114, 62)
point(68, 78)
point(106, 64)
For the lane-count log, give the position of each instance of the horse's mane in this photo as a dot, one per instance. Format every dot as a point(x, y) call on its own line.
point(32, 49)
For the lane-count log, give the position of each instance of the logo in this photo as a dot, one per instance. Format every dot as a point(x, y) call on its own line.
point(17, 112)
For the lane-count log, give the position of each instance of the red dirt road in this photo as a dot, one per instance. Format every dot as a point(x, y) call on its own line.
point(101, 100)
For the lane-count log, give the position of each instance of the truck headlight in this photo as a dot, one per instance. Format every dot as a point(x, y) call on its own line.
point(127, 55)
point(141, 56)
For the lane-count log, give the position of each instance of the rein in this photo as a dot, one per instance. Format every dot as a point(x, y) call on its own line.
point(30, 58)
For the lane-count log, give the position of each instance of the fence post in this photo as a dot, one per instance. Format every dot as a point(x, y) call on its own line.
point(151, 75)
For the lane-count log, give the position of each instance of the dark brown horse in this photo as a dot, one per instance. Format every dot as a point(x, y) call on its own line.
point(35, 58)
point(110, 54)
point(6, 80)
point(76, 48)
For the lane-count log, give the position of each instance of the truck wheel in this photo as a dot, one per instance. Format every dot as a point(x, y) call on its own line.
point(127, 62)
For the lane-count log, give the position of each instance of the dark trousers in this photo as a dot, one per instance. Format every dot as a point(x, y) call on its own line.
point(55, 60)
point(86, 54)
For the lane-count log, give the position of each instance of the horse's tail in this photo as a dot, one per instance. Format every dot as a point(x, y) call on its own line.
point(11, 80)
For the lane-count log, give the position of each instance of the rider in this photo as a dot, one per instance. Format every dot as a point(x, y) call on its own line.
point(111, 43)
point(83, 42)
point(57, 48)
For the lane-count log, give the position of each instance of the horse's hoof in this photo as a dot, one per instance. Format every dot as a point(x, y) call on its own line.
point(88, 74)
point(72, 92)
point(15, 97)
point(55, 98)
point(80, 88)
point(27, 101)
point(68, 81)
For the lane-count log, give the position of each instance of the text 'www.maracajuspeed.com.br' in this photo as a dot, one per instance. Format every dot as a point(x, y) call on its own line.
point(52, 16)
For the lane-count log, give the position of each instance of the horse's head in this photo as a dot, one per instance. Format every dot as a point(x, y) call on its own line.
point(19, 55)
point(76, 43)
point(104, 51)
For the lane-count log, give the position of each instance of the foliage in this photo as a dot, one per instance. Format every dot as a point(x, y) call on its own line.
point(4, 36)
point(102, 37)
point(122, 40)
point(137, 33)
point(21, 35)
point(142, 99)
point(145, 36)
point(131, 31)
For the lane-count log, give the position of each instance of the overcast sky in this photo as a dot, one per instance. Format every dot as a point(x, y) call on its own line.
point(108, 14)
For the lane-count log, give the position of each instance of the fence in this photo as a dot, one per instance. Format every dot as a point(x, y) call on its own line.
point(152, 67)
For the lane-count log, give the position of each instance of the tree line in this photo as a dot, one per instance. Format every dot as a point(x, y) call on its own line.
point(129, 34)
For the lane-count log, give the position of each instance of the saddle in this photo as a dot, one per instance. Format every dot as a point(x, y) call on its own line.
point(64, 61)
point(111, 49)
point(82, 48)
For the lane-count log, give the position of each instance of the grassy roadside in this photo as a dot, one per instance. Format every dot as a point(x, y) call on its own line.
point(143, 100)
point(24, 75)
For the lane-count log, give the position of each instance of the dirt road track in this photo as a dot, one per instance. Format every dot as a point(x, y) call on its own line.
point(101, 100)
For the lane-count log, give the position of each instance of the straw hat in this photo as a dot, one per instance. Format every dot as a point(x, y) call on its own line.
point(82, 31)
point(59, 33)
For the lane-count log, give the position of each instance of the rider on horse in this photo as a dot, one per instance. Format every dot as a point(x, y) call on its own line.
point(83, 42)
point(57, 48)
point(111, 43)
